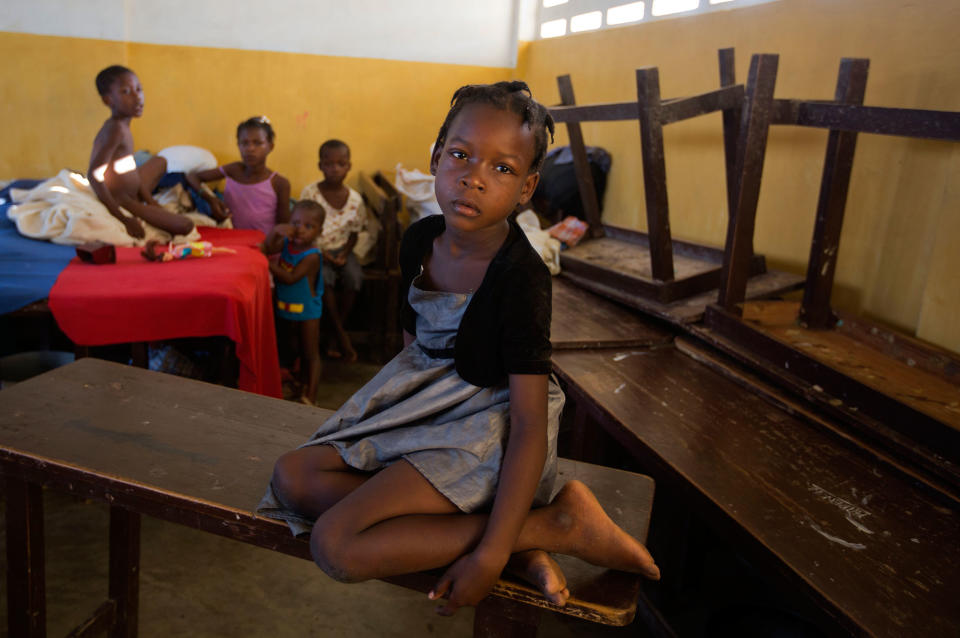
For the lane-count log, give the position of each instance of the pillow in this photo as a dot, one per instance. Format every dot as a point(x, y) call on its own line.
point(184, 158)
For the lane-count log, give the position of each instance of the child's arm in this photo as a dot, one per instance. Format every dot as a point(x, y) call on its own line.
point(274, 241)
point(100, 157)
point(471, 577)
point(281, 185)
point(339, 258)
point(309, 266)
point(196, 180)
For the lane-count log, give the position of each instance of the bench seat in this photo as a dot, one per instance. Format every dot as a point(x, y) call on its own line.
point(201, 455)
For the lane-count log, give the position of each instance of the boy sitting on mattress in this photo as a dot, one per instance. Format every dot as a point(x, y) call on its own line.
point(114, 176)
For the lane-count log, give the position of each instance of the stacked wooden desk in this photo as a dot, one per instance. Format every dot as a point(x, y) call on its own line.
point(846, 529)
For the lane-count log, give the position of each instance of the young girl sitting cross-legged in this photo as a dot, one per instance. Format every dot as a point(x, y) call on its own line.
point(448, 455)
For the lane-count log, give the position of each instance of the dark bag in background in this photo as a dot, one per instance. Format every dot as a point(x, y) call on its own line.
point(557, 194)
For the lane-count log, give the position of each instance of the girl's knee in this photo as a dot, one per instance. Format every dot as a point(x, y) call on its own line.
point(288, 480)
point(329, 546)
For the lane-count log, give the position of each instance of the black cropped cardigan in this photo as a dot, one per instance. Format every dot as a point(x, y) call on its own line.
point(506, 326)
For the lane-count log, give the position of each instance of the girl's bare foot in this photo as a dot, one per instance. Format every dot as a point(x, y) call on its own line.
point(593, 537)
point(538, 568)
point(305, 399)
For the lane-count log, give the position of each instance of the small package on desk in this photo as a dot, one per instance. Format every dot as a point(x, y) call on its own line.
point(97, 252)
point(569, 231)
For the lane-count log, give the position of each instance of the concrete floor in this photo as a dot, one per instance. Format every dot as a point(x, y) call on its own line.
point(197, 584)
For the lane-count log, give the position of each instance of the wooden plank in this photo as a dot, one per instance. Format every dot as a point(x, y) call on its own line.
point(581, 165)
point(722, 99)
point(99, 623)
point(388, 219)
point(26, 601)
point(902, 347)
point(684, 312)
point(654, 174)
point(611, 112)
point(621, 259)
point(919, 123)
point(866, 545)
point(582, 319)
point(751, 150)
point(837, 166)
point(731, 128)
point(904, 408)
point(750, 378)
point(125, 571)
point(202, 455)
point(383, 273)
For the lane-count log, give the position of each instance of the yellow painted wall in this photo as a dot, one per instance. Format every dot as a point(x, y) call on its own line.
point(387, 111)
point(897, 256)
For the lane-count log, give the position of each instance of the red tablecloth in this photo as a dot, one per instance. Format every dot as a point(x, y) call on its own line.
point(136, 300)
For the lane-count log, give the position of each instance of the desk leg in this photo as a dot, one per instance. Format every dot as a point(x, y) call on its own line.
point(585, 439)
point(140, 355)
point(497, 617)
point(125, 570)
point(26, 598)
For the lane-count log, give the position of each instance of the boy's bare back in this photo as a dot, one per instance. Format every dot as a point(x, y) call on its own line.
point(111, 160)
point(113, 173)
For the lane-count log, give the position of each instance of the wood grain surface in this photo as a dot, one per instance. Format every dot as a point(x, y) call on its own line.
point(863, 542)
point(202, 455)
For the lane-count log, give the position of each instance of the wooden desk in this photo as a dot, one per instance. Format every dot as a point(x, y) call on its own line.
point(582, 319)
point(201, 455)
point(857, 538)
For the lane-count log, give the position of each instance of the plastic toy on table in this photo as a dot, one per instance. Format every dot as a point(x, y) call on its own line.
point(182, 251)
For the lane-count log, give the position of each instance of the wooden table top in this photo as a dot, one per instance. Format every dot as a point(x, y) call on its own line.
point(858, 537)
point(582, 319)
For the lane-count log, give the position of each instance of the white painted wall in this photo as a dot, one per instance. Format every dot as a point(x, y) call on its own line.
point(474, 32)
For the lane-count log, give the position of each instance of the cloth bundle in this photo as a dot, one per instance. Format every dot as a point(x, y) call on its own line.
point(65, 210)
point(546, 246)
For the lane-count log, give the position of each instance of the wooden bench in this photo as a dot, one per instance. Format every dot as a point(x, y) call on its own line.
point(850, 534)
point(201, 456)
point(379, 300)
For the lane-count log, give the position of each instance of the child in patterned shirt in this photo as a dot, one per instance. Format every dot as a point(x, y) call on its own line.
point(344, 221)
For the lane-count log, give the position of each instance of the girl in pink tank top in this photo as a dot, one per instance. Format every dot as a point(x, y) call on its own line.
point(254, 196)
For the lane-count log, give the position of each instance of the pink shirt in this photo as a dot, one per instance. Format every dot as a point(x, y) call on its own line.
point(253, 205)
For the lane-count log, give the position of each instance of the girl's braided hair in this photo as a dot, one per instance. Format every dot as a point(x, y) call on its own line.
point(512, 96)
point(257, 121)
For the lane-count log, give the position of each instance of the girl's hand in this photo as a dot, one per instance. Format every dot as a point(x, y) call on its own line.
point(219, 210)
point(467, 581)
point(284, 230)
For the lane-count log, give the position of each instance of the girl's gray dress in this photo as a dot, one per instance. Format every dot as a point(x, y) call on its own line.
point(419, 409)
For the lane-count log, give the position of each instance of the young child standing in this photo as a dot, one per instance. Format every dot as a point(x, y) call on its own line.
point(439, 458)
point(254, 196)
point(300, 286)
point(345, 219)
point(113, 174)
